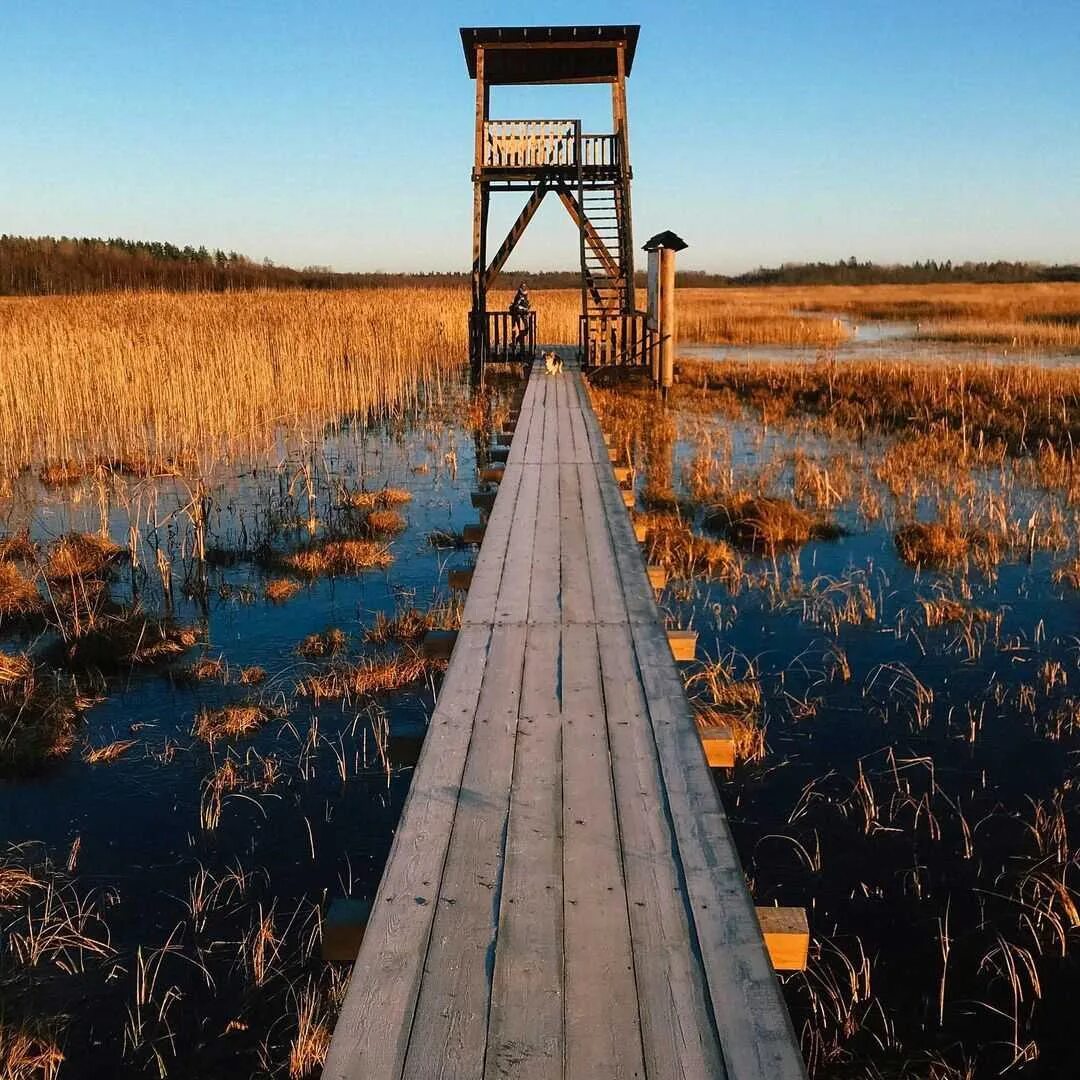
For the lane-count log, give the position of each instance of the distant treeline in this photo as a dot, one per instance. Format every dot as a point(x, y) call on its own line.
point(46, 264)
point(853, 272)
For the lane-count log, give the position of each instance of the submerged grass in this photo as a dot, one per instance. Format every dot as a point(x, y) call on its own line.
point(339, 557)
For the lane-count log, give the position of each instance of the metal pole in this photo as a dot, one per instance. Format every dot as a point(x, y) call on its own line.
point(668, 328)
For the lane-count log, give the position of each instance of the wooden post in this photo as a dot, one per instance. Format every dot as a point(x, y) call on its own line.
point(668, 328)
point(478, 320)
point(652, 314)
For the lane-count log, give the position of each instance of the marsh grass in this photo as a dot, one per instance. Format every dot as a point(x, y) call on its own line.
point(81, 555)
point(408, 625)
point(278, 590)
point(766, 523)
point(129, 637)
point(39, 716)
point(229, 721)
point(29, 1052)
point(338, 556)
point(371, 675)
point(19, 596)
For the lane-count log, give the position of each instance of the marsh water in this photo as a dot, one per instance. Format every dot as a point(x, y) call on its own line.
point(200, 938)
point(882, 340)
point(916, 794)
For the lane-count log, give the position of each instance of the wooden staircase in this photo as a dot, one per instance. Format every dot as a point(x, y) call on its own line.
point(604, 265)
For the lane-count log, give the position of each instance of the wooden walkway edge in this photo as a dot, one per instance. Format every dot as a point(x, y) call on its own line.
point(563, 898)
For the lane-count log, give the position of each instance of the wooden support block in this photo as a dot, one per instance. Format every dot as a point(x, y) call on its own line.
point(657, 576)
point(613, 454)
point(622, 473)
point(787, 936)
point(483, 500)
point(683, 643)
point(460, 579)
point(499, 453)
point(473, 534)
point(493, 474)
point(628, 497)
point(716, 741)
point(641, 531)
point(439, 644)
point(344, 924)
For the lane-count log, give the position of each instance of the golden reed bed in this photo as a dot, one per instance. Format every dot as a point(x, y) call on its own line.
point(161, 378)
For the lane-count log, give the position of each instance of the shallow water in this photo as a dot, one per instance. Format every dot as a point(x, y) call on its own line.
point(321, 828)
point(907, 795)
point(881, 341)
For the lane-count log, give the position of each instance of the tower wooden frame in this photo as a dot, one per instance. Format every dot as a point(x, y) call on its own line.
point(590, 174)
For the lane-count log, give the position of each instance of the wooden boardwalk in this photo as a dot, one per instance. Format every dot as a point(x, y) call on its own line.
point(563, 897)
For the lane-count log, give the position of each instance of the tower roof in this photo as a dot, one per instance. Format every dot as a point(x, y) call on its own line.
point(548, 54)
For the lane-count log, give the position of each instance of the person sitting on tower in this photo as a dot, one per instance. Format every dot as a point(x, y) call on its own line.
point(519, 313)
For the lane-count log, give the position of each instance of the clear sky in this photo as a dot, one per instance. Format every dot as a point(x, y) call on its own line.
point(339, 131)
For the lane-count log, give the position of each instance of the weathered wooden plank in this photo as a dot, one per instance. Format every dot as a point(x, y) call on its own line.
point(449, 1030)
point(525, 1031)
point(577, 594)
point(488, 571)
point(513, 601)
point(606, 588)
point(545, 583)
point(372, 1031)
point(603, 1037)
point(678, 1032)
point(753, 1022)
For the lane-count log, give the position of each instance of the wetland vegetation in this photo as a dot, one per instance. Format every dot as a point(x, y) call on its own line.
point(226, 521)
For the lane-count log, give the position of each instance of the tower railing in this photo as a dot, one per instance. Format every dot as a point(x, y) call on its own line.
point(546, 144)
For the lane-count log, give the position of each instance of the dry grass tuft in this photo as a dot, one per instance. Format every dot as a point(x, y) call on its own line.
point(330, 642)
point(383, 499)
point(38, 718)
point(27, 1054)
point(278, 590)
point(670, 542)
point(231, 721)
point(374, 675)
point(17, 545)
point(934, 544)
point(310, 1044)
point(339, 557)
point(446, 538)
point(408, 627)
point(252, 676)
point(19, 598)
point(62, 474)
point(80, 555)
point(109, 752)
point(383, 523)
point(206, 668)
point(1069, 574)
point(761, 522)
point(129, 638)
point(942, 610)
point(747, 736)
point(721, 697)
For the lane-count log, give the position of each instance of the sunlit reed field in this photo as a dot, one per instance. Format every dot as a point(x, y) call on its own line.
point(159, 380)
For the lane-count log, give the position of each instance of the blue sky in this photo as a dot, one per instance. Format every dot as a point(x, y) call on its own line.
point(335, 132)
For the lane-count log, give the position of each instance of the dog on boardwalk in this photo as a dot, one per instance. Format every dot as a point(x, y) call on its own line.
point(552, 363)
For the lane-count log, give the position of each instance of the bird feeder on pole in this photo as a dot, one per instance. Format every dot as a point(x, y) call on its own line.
point(661, 305)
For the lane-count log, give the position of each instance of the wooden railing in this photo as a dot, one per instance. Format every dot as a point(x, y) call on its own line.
point(546, 144)
point(497, 336)
point(619, 338)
